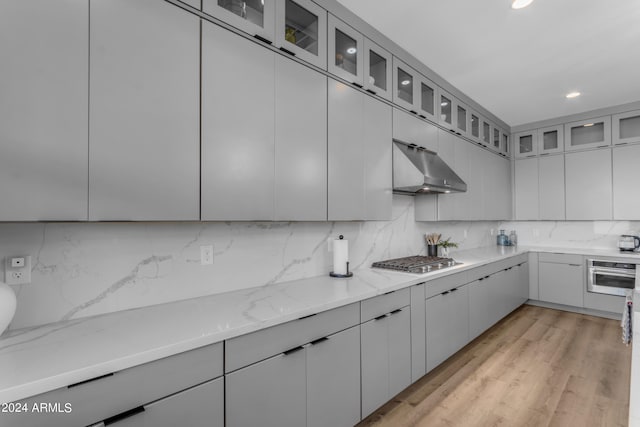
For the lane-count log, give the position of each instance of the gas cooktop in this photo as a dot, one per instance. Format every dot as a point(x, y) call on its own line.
point(416, 264)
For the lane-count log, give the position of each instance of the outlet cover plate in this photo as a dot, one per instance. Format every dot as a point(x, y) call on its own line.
point(17, 275)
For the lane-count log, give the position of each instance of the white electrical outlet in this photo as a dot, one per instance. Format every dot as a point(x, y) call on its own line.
point(206, 255)
point(465, 233)
point(17, 270)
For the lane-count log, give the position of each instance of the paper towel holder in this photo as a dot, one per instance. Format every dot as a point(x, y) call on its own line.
point(349, 273)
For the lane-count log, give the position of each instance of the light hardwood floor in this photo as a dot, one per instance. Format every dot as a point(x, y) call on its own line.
point(537, 367)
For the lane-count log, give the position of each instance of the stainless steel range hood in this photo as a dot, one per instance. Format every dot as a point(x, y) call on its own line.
point(417, 170)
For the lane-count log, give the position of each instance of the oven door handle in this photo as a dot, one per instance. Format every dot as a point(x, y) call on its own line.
point(613, 272)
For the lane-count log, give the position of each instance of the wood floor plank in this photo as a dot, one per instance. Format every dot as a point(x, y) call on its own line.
point(537, 367)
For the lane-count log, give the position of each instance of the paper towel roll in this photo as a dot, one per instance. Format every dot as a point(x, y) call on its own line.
point(340, 256)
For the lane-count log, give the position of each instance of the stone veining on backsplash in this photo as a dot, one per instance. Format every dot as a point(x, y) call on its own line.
point(85, 269)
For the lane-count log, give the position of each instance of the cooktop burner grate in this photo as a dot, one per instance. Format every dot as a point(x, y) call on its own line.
point(416, 264)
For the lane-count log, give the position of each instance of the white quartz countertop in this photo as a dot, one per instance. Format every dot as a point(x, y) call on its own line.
point(37, 360)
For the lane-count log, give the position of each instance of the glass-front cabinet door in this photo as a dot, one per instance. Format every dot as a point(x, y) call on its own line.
point(626, 127)
point(427, 95)
point(377, 70)
point(447, 110)
point(590, 133)
point(301, 30)
point(256, 17)
point(462, 111)
point(505, 148)
point(405, 83)
point(526, 144)
point(495, 139)
point(485, 133)
point(474, 126)
point(551, 140)
point(346, 51)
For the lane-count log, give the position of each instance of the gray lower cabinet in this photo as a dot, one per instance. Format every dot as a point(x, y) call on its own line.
point(386, 358)
point(200, 406)
point(447, 320)
point(144, 111)
point(588, 185)
point(418, 333)
point(480, 314)
point(263, 157)
point(43, 110)
point(271, 393)
point(151, 394)
point(561, 279)
point(626, 205)
point(359, 155)
point(333, 380)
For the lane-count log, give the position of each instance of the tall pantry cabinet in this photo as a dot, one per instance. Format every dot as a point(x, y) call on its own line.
point(43, 110)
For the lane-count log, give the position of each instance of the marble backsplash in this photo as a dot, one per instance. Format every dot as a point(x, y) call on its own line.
point(84, 269)
point(572, 234)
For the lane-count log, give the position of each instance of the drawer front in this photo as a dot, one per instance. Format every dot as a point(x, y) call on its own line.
point(94, 401)
point(560, 258)
point(382, 304)
point(437, 286)
point(260, 345)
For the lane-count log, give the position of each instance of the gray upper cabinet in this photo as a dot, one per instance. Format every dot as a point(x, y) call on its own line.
point(447, 111)
point(301, 27)
point(412, 130)
point(256, 17)
point(590, 133)
point(626, 127)
point(301, 143)
point(473, 127)
point(378, 76)
point(427, 97)
point(462, 121)
point(626, 203)
point(527, 189)
point(238, 127)
point(346, 51)
point(485, 133)
point(551, 187)
point(359, 155)
point(505, 147)
point(405, 85)
point(551, 140)
point(144, 111)
point(43, 120)
point(588, 185)
point(495, 139)
point(526, 144)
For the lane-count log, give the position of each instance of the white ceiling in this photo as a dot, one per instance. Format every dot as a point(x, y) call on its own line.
point(519, 64)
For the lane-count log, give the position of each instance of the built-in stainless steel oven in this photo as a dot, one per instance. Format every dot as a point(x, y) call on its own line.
point(610, 277)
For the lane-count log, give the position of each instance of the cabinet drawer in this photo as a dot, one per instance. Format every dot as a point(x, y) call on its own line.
point(437, 286)
point(560, 258)
point(122, 391)
point(256, 346)
point(382, 304)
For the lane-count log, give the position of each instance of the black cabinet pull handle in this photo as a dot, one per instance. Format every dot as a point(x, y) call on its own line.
point(486, 277)
point(380, 317)
point(357, 85)
point(481, 279)
point(454, 289)
point(90, 380)
point(319, 340)
point(373, 92)
point(444, 293)
point(262, 39)
point(287, 51)
point(124, 415)
point(390, 292)
point(396, 311)
point(414, 112)
point(306, 317)
point(422, 115)
point(293, 350)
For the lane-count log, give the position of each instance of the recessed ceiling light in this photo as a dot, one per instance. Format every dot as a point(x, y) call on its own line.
point(444, 104)
point(519, 4)
point(405, 82)
point(572, 95)
point(351, 50)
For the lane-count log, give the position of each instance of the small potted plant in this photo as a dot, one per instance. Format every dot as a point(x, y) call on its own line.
point(445, 245)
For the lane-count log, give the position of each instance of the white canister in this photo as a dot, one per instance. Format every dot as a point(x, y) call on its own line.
point(7, 306)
